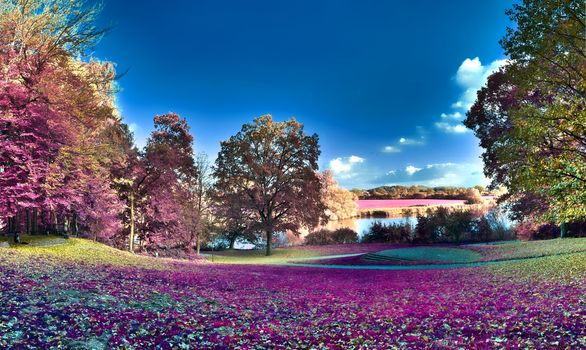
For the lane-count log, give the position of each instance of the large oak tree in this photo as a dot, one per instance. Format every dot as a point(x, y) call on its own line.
point(270, 168)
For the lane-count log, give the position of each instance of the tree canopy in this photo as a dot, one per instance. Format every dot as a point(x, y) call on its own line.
point(270, 169)
point(531, 117)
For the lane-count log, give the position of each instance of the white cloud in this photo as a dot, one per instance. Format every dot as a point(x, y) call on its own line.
point(355, 159)
point(453, 129)
point(391, 149)
point(344, 165)
point(439, 174)
point(458, 104)
point(416, 142)
point(410, 169)
point(452, 116)
point(471, 76)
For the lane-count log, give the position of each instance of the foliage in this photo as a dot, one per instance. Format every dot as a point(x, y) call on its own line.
point(344, 236)
point(418, 192)
point(269, 169)
point(443, 225)
point(473, 196)
point(339, 203)
point(319, 237)
point(530, 229)
point(58, 122)
point(338, 236)
point(388, 233)
point(530, 118)
point(197, 215)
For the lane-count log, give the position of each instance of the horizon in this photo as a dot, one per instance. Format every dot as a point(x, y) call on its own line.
point(339, 68)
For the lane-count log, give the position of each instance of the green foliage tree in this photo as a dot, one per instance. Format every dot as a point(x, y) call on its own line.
point(531, 116)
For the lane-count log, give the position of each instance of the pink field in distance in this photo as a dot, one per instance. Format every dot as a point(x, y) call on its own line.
point(400, 203)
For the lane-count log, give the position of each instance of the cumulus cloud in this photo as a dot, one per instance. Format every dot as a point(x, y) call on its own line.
point(471, 76)
point(451, 128)
point(342, 165)
point(452, 116)
point(410, 169)
point(438, 174)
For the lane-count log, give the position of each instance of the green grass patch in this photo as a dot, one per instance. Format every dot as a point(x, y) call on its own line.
point(530, 249)
point(429, 254)
point(279, 256)
point(76, 250)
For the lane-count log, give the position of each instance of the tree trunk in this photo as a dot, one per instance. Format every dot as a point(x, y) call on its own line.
point(35, 229)
point(232, 242)
point(55, 223)
point(269, 241)
point(131, 245)
point(563, 230)
point(27, 214)
point(197, 244)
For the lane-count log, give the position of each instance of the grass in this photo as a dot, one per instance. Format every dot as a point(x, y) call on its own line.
point(463, 254)
point(279, 256)
point(284, 255)
point(530, 249)
point(76, 250)
point(430, 254)
point(121, 301)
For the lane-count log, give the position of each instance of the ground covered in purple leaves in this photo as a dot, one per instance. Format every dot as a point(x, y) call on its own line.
point(48, 301)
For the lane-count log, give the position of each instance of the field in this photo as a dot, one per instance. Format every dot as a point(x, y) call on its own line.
point(403, 203)
point(82, 295)
point(395, 207)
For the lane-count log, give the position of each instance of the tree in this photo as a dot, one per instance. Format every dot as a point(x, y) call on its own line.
point(56, 111)
point(473, 196)
point(167, 163)
point(270, 168)
point(339, 202)
point(197, 206)
point(530, 118)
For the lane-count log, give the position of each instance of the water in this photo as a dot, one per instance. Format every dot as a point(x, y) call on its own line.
point(361, 225)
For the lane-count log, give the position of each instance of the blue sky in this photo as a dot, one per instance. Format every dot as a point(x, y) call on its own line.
point(385, 84)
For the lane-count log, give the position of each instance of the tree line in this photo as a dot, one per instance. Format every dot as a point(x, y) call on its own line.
point(68, 163)
point(423, 192)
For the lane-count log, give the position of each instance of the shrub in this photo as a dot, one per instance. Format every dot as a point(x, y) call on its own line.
point(443, 225)
point(473, 196)
point(339, 236)
point(319, 237)
point(388, 233)
point(458, 225)
point(344, 236)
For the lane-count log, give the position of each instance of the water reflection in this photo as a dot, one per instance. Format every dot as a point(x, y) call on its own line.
point(361, 225)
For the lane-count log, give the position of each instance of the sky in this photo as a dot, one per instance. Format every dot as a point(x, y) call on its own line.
point(385, 84)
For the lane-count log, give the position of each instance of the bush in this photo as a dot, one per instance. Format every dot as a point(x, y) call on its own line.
point(443, 225)
point(473, 196)
point(344, 236)
point(339, 236)
point(388, 233)
point(319, 237)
